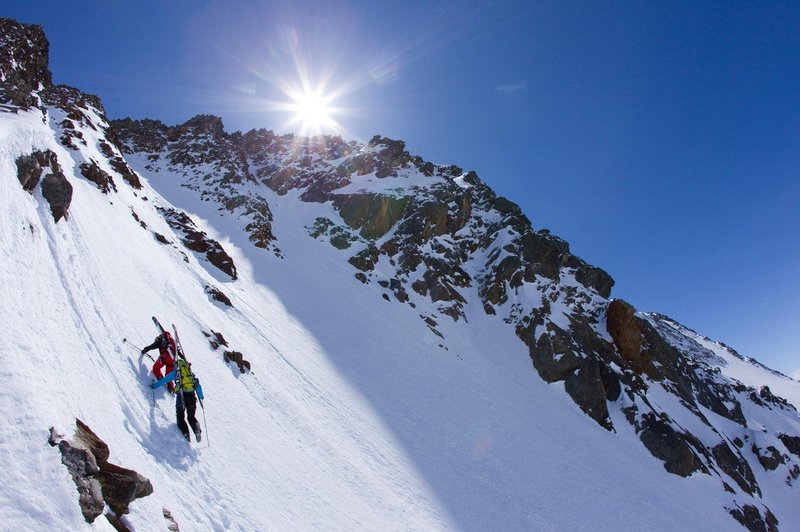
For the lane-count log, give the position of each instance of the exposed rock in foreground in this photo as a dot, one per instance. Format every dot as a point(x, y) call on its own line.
point(98, 481)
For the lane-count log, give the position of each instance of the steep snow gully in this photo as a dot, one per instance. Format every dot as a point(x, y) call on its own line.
point(388, 310)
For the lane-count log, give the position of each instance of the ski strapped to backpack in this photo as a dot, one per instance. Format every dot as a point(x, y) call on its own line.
point(162, 331)
point(197, 388)
point(184, 378)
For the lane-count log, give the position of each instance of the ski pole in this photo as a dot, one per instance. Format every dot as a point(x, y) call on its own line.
point(126, 341)
point(205, 425)
point(137, 348)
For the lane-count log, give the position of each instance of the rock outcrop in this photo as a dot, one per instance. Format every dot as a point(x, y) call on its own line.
point(199, 242)
point(55, 187)
point(24, 63)
point(99, 482)
point(217, 340)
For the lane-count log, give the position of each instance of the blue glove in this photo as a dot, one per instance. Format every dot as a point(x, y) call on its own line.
point(152, 384)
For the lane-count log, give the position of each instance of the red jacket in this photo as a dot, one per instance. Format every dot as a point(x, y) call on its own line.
point(166, 354)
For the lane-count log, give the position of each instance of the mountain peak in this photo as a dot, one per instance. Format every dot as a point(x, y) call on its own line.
point(204, 123)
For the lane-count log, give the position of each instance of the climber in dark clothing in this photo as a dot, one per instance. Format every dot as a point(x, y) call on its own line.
point(187, 390)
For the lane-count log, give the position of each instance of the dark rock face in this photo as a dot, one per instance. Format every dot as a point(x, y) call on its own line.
point(24, 62)
point(553, 357)
point(591, 276)
point(198, 241)
point(626, 332)
point(736, 467)
point(55, 187)
point(792, 443)
point(383, 156)
point(98, 481)
point(85, 112)
point(213, 162)
point(142, 135)
point(24, 54)
point(373, 214)
point(670, 446)
point(750, 517)
point(58, 193)
point(217, 295)
point(30, 168)
point(585, 386)
point(98, 176)
point(770, 458)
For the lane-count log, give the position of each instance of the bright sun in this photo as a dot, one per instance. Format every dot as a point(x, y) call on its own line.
point(313, 112)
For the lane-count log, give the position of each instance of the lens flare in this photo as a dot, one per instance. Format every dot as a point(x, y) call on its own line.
point(312, 112)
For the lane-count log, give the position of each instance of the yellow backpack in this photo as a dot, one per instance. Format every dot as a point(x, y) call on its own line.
point(185, 378)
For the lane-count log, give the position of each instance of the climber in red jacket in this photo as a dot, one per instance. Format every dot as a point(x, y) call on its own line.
point(166, 355)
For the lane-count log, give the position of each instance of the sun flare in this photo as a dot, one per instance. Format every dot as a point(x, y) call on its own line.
point(312, 111)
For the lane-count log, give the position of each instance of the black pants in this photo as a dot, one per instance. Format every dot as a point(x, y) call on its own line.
point(188, 402)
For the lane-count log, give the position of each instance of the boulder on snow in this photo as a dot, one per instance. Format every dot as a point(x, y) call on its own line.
point(216, 340)
point(98, 481)
point(85, 437)
point(172, 525)
point(217, 295)
point(82, 466)
point(58, 193)
point(122, 486)
point(237, 358)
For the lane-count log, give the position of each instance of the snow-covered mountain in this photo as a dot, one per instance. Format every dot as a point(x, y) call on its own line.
point(384, 343)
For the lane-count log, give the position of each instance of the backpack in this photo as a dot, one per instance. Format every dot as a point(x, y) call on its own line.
point(184, 378)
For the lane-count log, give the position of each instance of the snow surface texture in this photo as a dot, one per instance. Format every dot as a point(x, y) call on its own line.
point(355, 415)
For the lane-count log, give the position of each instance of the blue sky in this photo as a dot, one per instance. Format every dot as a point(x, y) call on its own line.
point(661, 139)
